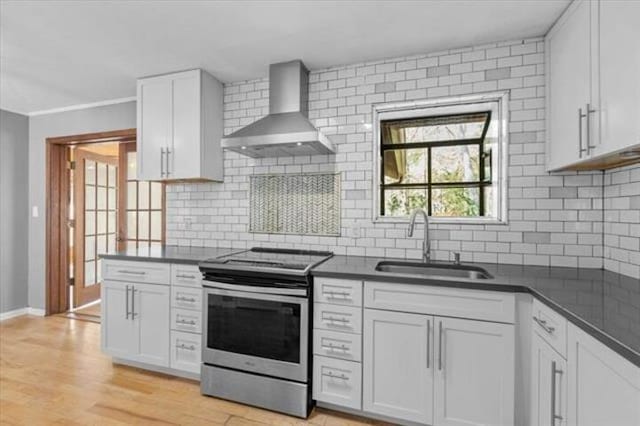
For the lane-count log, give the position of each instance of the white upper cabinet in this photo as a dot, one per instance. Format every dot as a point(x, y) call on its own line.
point(180, 127)
point(619, 52)
point(593, 89)
point(569, 86)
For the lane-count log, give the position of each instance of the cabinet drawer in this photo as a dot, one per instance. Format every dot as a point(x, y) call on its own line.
point(337, 382)
point(444, 301)
point(186, 298)
point(139, 272)
point(341, 292)
point(184, 320)
point(186, 275)
point(337, 345)
point(551, 326)
point(185, 351)
point(337, 318)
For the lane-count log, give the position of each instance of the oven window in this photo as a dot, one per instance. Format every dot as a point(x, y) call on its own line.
point(261, 328)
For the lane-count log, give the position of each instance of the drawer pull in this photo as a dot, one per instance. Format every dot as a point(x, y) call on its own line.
point(338, 295)
point(186, 299)
point(333, 376)
point(125, 271)
point(332, 320)
point(543, 324)
point(186, 322)
point(332, 348)
point(187, 347)
point(188, 277)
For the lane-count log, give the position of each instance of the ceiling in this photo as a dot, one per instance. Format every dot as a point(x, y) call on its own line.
point(56, 54)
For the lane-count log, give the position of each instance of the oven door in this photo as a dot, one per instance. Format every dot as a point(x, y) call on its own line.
point(252, 329)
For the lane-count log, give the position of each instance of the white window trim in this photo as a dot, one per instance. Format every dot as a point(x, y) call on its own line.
point(449, 105)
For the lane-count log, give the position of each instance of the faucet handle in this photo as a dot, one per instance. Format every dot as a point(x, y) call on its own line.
point(456, 257)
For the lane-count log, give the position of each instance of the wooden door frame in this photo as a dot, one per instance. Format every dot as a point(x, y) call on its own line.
point(57, 212)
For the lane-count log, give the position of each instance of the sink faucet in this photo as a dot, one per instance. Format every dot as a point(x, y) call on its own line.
point(426, 245)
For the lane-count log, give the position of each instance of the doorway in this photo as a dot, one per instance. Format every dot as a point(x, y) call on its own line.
point(95, 205)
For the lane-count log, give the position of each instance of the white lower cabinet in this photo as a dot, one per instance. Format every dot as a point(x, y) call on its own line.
point(548, 385)
point(185, 351)
point(398, 365)
point(136, 321)
point(337, 381)
point(604, 388)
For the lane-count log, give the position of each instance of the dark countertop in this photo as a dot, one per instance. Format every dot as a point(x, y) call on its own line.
point(604, 304)
point(169, 254)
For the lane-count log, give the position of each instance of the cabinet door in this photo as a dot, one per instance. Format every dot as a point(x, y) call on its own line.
point(604, 388)
point(119, 331)
point(474, 373)
point(398, 365)
point(154, 126)
point(548, 385)
point(150, 305)
point(568, 49)
point(184, 156)
point(619, 61)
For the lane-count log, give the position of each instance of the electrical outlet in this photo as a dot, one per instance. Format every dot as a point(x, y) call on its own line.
point(188, 221)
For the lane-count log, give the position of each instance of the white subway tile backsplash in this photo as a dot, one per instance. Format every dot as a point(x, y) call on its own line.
point(554, 219)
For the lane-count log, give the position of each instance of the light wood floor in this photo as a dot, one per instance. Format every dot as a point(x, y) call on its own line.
point(93, 310)
point(53, 373)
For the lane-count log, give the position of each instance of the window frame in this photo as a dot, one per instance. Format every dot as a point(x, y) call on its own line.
point(497, 103)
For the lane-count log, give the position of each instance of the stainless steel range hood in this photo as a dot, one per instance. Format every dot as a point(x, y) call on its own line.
point(286, 131)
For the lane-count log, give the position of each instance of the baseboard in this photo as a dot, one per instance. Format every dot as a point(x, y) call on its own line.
point(12, 314)
point(35, 312)
point(158, 369)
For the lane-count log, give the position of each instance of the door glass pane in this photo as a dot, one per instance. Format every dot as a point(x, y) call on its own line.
point(89, 172)
point(112, 176)
point(143, 225)
point(266, 329)
point(102, 222)
point(156, 225)
point(112, 198)
point(111, 217)
point(102, 174)
point(99, 271)
point(131, 166)
point(89, 273)
point(102, 198)
point(89, 223)
point(143, 195)
point(89, 248)
point(89, 197)
point(131, 245)
point(131, 195)
point(132, 225)
point(156, 195)
point(101, 244)
point(111, 240)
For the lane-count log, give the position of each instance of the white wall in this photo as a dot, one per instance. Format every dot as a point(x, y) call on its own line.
point(14, 208)
point(98, 119)
point(553, 219)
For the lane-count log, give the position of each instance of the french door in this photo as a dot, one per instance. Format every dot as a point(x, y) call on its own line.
point(95, 212)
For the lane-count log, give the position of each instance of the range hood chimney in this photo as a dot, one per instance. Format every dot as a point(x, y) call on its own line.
point(286, 130)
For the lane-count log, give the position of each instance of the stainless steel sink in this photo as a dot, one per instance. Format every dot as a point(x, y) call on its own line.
point(434, 269)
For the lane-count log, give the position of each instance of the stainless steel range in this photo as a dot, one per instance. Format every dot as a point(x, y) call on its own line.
point(257, 325)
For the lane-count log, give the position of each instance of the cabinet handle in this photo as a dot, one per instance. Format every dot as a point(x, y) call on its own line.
point(186, 299)
point(186, 322)
point(580, 148)
point(333, 376)
point(428, 343)
point(333, 348)
point(161, 162)
point(127, 303)
point(543, 324)
point(335, 319)
point(133, 302)
point(189, 277)
point(440, 345)
point(335, 294)
point(168, 151)
point(124, 271)
point(588, 113)
point(187, 347)
point(554, 371)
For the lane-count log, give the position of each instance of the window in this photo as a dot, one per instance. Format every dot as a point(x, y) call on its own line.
point(445, 159)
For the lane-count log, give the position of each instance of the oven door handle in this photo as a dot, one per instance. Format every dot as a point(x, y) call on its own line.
point(256, 289)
